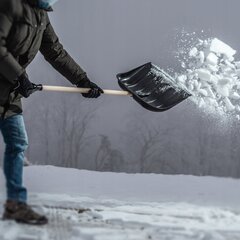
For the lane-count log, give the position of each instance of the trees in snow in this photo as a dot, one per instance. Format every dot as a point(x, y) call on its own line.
point(107, 158)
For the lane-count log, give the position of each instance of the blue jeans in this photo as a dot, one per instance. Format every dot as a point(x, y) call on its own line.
point(15, 138)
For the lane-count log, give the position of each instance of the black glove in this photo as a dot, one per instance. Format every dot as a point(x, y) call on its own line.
point(24, 86)
point(95, 91)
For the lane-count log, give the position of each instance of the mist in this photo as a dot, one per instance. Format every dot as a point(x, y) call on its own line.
point(112, 133)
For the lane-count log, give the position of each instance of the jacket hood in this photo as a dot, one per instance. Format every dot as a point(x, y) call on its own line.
point(35, 4)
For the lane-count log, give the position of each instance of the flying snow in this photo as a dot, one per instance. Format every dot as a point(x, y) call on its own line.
point(213, 77)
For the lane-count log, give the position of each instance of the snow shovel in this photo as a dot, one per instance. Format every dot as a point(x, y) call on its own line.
point(153, 88)
point(150, 86)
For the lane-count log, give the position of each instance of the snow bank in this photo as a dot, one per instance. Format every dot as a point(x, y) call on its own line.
point(213, 77)
point(132, 187)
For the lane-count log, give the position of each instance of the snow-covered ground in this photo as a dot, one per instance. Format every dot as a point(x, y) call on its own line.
point(100, 206)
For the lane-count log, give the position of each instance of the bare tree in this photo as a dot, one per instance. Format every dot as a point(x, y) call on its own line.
point(72, 125)
point(149, 141)
point(102, 153)
point(107, 158)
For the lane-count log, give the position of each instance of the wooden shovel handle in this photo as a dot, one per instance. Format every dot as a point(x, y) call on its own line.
point(82, 90)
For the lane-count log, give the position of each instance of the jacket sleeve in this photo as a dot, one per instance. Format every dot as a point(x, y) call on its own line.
point(58, 57)
point(10, 69)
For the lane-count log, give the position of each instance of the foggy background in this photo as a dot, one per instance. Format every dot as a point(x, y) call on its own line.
point(114, 133)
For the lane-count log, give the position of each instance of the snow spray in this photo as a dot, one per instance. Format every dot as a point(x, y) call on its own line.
point(212, 75)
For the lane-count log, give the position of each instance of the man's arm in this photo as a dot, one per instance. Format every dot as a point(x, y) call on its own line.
point(9, 67)
point(59, 58)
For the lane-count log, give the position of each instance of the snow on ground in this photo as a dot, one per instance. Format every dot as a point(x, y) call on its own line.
point(87, 205)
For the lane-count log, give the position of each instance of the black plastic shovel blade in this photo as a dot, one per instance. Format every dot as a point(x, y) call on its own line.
point(154, 89)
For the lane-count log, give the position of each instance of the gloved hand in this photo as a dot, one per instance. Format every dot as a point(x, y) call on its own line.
point(95, 91)
point(24, 86)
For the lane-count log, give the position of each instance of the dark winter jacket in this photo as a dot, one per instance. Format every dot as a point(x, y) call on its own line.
point(24, 30)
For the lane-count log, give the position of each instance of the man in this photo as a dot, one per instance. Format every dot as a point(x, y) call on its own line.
point(24, 30)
